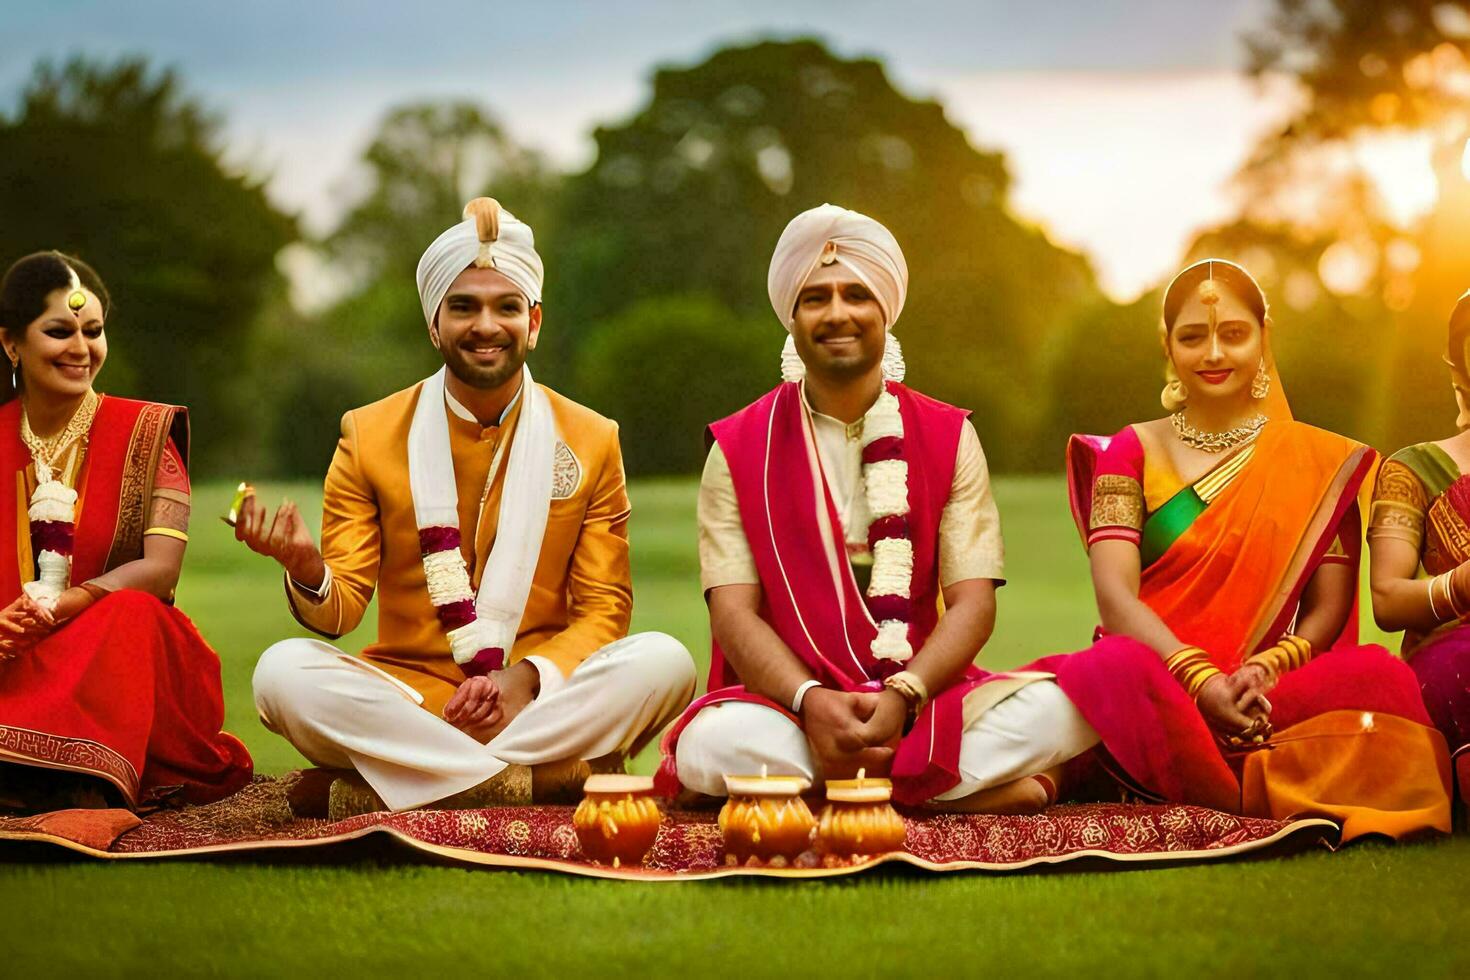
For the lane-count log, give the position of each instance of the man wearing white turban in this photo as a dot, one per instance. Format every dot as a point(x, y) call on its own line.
point(490, 515)
point(834, 514)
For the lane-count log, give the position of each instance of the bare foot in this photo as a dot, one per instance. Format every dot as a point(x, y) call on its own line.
point(1021, 797)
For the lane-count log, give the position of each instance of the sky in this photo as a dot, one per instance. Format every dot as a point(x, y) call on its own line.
point(1088, 100)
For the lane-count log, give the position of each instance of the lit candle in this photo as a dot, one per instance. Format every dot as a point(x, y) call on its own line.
point(765, 820)
point(859, 818)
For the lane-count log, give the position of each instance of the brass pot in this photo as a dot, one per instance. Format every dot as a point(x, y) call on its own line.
point(765, 819)
point(618, 819)
point(859, 819)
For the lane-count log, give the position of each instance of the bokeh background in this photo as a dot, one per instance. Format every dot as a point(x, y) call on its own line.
point(256, 181)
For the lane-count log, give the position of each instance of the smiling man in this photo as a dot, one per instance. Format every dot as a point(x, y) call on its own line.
point(834, 515)
point(490, 514)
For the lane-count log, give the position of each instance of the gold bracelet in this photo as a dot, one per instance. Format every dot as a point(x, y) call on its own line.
point(1288, 653)
point(910, 687)
point(1192, 668)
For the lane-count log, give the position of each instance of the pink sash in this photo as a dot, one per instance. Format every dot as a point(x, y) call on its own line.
point(811, 598)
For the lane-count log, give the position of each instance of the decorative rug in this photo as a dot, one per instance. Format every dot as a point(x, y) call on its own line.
point(688, 846)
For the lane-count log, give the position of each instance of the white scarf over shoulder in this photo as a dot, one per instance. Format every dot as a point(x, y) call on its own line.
point(488, 238)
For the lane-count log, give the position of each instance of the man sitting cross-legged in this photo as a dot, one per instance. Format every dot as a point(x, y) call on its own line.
point(491, 515)
point(834, 512)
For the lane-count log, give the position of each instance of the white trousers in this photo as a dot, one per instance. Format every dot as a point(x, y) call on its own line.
point(342, 712)
point(1028, 732)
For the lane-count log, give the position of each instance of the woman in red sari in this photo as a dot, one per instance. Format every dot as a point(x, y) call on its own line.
point(1419, 535)
point(1224, 544)
point(107, 693)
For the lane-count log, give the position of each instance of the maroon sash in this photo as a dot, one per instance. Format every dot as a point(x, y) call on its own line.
point(810, 596)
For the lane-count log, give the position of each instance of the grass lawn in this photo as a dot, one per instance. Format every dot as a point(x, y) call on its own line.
point(1371, 910)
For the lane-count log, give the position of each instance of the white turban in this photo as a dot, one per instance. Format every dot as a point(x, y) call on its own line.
point(489, 237)
point(832, 234)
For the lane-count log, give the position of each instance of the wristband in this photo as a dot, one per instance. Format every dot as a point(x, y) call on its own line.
point(800, 695)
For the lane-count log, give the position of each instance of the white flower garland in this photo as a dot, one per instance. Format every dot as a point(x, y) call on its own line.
point(885, 485)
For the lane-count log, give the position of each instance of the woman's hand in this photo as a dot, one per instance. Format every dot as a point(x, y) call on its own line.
point(1217, 702)
point(23, 624)
point(71, 604)
point(1252, 681)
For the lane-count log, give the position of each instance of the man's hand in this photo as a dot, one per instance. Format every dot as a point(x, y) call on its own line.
point(475, 706)
point(507, 691)
point(23, 624)
point(837, 726)
point(284, 537)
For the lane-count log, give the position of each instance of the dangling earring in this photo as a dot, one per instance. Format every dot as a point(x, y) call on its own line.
point(1261, 384)
point(15, 374)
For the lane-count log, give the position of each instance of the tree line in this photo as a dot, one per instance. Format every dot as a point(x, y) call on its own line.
point(656, 253)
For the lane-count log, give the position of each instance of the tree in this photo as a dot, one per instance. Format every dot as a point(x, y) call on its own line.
point(117, 164)
point(667, 367)
point(424, 162)
point(691, 193)
point(1374, 286)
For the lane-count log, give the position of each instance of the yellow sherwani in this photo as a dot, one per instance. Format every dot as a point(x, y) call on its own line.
point(581, 595)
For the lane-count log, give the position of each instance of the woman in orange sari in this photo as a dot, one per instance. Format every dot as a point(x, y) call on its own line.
point(1224, 544)
point(1419, 535)
point(108, 694)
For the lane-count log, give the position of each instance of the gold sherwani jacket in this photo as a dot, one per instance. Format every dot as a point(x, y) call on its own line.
point(581, 595)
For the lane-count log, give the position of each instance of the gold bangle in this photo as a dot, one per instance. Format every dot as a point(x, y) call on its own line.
point(910, 687)
point(1192, 668)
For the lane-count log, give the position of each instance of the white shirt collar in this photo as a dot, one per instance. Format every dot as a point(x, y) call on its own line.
point(852, 430)
point(458, 408)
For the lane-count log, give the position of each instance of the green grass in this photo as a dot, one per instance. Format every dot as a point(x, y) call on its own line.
point(1371, 910)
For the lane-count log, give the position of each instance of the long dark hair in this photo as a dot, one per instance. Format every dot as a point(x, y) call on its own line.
point(25, 287)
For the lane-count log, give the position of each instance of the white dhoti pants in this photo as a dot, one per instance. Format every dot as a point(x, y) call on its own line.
point(342, 712)
point(1028, 732)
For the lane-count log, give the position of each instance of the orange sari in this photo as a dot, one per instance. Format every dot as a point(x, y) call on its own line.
point(1353, 742)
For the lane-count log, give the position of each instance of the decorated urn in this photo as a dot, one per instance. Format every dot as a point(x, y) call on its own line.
point(765, 820)
point(859, 819)
point(618, 818)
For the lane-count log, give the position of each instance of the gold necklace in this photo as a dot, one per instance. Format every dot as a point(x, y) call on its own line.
point(1216, 442)
point(45, 451)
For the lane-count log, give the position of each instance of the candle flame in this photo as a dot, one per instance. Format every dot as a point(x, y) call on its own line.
point(862, 775)
point(763, 770)
point(1465, 161)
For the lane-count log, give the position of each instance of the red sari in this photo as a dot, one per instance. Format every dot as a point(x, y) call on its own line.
point(127, 691)
point(1352, 739)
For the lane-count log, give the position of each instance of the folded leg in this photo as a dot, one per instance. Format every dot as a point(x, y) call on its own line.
point(1029, 732)
point(342, 712)
point(614, 702)
point(738, 737)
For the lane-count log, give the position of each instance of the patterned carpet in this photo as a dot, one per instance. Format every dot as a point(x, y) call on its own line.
point(688, 846)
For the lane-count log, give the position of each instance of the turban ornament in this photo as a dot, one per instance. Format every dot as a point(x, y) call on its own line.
point(489, 237)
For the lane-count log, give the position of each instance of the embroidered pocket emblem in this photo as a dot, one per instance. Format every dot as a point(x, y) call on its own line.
point(566, 473)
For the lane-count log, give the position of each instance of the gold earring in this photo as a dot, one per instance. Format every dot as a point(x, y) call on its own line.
point(1261, 383)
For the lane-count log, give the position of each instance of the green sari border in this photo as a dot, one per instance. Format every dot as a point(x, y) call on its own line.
point(1164, 526)
point(1431, 464)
